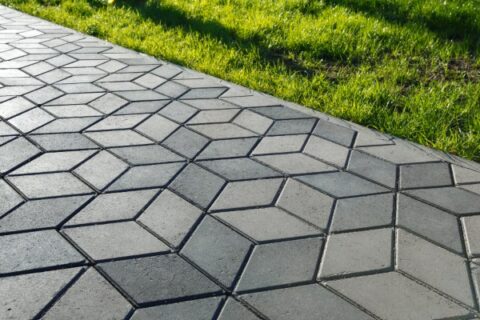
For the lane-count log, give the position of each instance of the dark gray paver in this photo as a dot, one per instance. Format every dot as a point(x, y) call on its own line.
point(310, 302)
point(217, 249)
point(115, 240)
point(34, 250)
point(394, 297)
point(90, 297)
point(197, 185)
point(281, 263)
point(199, 309)
point(158, 278)
point(170, 217)
point(264, 203)
point(24, 296)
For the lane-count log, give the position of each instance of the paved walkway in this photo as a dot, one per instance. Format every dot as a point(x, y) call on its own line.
point(134, 189)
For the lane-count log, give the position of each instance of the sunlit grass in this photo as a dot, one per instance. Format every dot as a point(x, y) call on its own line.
point(409, 68)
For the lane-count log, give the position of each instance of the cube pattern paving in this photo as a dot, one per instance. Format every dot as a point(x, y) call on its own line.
point(131, 188)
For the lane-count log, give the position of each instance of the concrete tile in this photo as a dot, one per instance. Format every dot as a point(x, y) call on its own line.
point(471, 225)
point(432, 223)
point(240, 169)
point(465, 175)
point(277, 112)
point(281, 263)
point(30, 120)
point(250, 193)
point(178, 111)
point(416, 257)
point(197, 185)
point(44, 95)
point(13, 107)
point(355, 252)
point(253, 121)
point(267, 224)
point(150, 176)
point(363, 212)
point(157, 127)
point(117, 138)
point(280, 144)
point(213, 116)
point(159, 278)
point(15, 153)
point(218, 250)
point(70, 111)
point(33, 186)
point(222, 131)
point(10, 199)
point(399, 153)
point(38, 214)
point(142, 107)
point(234, 310)
point(425, 175)
point(373, 168)
point(392, 296)
point(63, 141)
point(294, 163)
point(108, 103)
point(333, 132)
point(72, 125)
point(149, 154)
point(198, 309)
point(342, 184)
point(101, 170)
point(327, 151)
point(186, 142)
point(170, 217)
point(306, 203)
point(453, 199)
point(24, 296)
point(294, 126)
point(54, 161)
point(115, 240)
point(227, 148)
point(113, 206)
point(35, 250)
point(117, 122)
point(307, 302)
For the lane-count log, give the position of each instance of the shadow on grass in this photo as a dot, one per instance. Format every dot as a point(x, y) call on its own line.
point(445, 23)
point(174, 18)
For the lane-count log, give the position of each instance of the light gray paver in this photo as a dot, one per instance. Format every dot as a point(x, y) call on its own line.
point(89, 298)
point(115, 240)
point(112, 159)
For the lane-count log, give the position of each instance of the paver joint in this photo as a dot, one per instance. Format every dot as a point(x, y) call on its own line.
point(132, 188)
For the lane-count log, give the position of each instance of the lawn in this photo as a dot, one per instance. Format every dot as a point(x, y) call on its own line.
point(406, 67)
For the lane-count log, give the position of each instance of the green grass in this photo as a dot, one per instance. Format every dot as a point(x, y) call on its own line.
point(406, 67)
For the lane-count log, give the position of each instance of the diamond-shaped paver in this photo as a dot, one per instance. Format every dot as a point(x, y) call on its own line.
point(425, 175)
point(213, 116)
point(295, 163)
point(178, 111)
point(251, 193)
point(118, 138)
point(217, 249)
point(253, 121)
point(44, 94)
point(101, 170)
point(234, 310)
point(222, 131)
point(197, 309)
point(294, 126)
point(9, 197)
point(54, 161)
point(281, 263)
point(108, 103)
point(72, 111)
point(90, 297)
point(113, 207)
point(280, 144)
point(157, 127)
point(159, 278)
point(186, 142)
point(31, 120)
point(267, 224)
point(392, 296)
point(150, 154)
point(25, 296)
point(306, 203)
point(38, 214)
point(170, 217)
point(307, 302)
point(417, 257)
point(12, 107)
point(356, 252)
point(327, 151)
point(64, 141)
point(373, 168)
point(35, 250)
point(333, 132)
point(117, 122)
point(198, 185)
point(33, 186)
point(228, 148)
point(430, 222)
point(471, 226)
point(16, 152)
point(363, 212)
point(240, 169)
point(115, 240)
point(150, 176)
point(342, 184)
